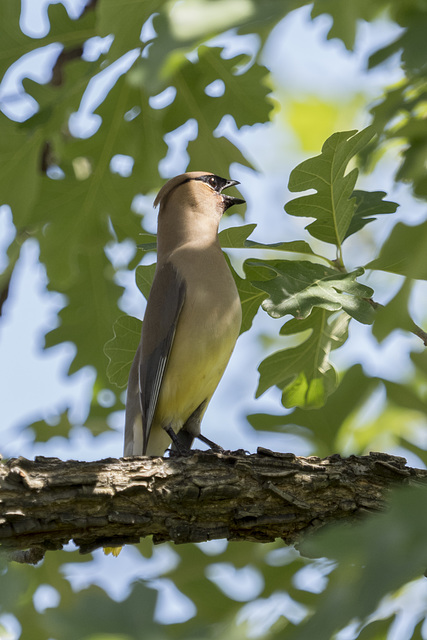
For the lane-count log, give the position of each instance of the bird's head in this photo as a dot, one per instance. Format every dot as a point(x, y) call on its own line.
point(198, 190)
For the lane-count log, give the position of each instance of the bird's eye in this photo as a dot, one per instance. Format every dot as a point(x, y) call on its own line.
point(212, 181)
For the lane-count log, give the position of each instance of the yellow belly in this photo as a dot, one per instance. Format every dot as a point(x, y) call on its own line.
point(197, 362)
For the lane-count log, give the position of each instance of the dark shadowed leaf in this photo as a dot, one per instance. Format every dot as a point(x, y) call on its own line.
point(147, 242)
point(420, 360)
point(368, 205)
point(250, 298)
point(304, 373)
point(404, 252)
point(121, 349)
point(326, 421)
point(44, 431)
point(91, 613)
point(244, 95)
point(300, 286)
point(144, 276)
point(375, 557)
point(235, 237)
point(345, 17)
point(124, 21)
point(91, 310)
point(394, 315)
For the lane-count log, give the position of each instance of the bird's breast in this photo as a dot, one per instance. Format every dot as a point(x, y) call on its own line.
point(206, 333)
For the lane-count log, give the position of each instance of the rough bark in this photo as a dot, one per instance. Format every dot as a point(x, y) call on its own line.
point(259, 497)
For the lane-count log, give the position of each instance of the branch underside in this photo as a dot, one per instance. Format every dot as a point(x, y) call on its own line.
point(204, 496)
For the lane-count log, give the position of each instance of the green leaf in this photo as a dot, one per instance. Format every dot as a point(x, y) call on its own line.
point(250, 298)
point(19, 164)
point(368, 204)
point(235, 237)
point(304, 373)
point(345, 17)
point(148, 242)
point(410, 42)
point(15, 44)
point(44, 431)
point(326, 422)
point(375, 557)
point(378, 629)
point(333, 205)
point(404, 252)
point(300, 286)
point(121, 349)
point(92, 307)
point(78, 208)
point(57, 101)
point(144, 276)
point(296, 246)
point(124, 21)
point(212, 603)
point(214, 153)
point(394, 315)
point(404, 396)
point(420, 360)
point(244, 97)
point(91, 613)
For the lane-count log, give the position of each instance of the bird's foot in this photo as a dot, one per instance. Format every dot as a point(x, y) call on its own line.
point(177, 448)
point(215, 447)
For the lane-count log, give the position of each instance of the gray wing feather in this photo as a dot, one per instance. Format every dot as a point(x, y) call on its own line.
point(164, 306)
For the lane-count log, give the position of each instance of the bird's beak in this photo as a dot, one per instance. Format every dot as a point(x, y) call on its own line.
point(230, 183)
point(229, 201)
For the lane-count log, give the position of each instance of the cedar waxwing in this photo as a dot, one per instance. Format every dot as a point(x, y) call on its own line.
point(191, 322)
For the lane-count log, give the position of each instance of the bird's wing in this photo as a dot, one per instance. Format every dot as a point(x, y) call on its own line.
point(164, 306)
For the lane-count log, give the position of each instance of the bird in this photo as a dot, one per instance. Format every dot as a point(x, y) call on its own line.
point(191, 323)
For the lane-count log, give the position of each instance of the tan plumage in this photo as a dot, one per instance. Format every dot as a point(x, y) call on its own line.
point(192, 319)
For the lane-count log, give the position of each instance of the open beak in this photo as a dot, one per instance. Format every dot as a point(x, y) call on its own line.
point(229, 201)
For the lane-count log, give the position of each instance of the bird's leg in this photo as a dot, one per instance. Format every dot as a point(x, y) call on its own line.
point(175, 441)
point(192, 427)
point(212, 445)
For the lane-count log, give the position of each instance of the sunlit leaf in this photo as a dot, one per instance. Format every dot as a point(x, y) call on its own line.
point(333, 204)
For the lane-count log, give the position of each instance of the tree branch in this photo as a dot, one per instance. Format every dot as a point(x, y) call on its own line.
point(205, 496)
